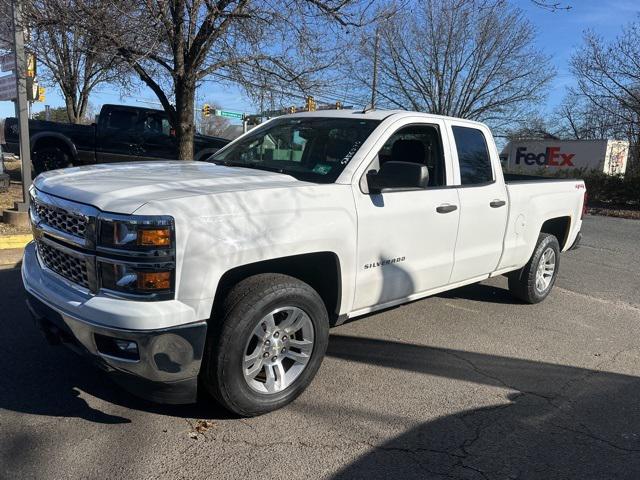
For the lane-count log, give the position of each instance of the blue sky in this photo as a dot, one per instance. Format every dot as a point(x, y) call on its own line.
point(559, 33)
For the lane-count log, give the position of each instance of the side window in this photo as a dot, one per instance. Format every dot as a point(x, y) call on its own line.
point(473, 155)
point(418, 144)
point(156, 124)
point(122, 119)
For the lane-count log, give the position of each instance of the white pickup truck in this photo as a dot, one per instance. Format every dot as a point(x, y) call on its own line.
point(225, 276)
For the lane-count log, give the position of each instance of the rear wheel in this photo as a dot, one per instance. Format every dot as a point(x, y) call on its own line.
point(50, 158)
point(534, 281)
point(269, 345)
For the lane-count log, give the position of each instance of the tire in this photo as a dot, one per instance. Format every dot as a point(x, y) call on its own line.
point(526, 283)
point(254, 318)
point(50, 158)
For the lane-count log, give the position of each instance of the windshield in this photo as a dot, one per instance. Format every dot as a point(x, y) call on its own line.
point(312, 149)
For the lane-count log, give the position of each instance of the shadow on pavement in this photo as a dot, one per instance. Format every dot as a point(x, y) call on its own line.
point(556, 421)
point(481, 293)
point(45, 380)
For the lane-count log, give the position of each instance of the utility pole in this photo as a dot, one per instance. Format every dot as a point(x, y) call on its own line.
point(22, 106)
point(374, 79)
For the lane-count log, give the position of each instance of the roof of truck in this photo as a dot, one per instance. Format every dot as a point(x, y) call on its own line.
point(370, 114)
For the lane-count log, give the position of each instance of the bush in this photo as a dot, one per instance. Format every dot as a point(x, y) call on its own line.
point(605, 190)
point(615, 190)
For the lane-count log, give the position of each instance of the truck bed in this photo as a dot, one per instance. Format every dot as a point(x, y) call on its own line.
point(511, 178)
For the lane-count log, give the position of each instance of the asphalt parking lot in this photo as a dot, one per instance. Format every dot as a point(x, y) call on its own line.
point(469, 384)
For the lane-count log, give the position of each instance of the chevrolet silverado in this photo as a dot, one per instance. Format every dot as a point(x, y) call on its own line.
point(223, 277)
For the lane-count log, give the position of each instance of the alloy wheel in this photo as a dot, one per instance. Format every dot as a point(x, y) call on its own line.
point(546, 269)
point(278, 350)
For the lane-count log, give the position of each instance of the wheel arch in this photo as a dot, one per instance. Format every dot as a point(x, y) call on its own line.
point(46, 139)
point(560, 227)
point(321, 270)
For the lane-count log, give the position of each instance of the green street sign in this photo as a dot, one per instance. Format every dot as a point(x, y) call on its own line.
point(225, 113)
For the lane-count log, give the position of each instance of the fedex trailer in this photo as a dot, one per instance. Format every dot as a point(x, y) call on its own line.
point(608, 156)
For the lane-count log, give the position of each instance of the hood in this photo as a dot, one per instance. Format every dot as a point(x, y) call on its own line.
point(125, 187)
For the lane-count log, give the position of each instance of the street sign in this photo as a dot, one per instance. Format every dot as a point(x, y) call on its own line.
point(227, 114)
point(8, 62)
point(8, 89)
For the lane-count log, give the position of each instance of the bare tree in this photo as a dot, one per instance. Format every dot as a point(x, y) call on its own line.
point(174, 45)
point(455, 57)
point(608, 82)
point(533, 128)
point(552, 6)
point(68, 56)
point(580, 119)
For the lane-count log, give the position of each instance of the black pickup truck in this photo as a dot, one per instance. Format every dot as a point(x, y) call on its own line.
point(121, 133)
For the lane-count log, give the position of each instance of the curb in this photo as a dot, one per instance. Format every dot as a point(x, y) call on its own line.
point(11, 257)
point(9, 242)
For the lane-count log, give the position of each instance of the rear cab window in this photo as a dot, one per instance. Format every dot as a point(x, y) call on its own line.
point(473, 156)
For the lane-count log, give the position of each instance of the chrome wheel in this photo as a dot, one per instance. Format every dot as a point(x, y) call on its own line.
point(546, 269)
point(278, 350)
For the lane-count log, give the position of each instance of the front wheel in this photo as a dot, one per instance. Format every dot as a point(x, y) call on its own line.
point(269, 345)
point(50, 158)
point(533, 282)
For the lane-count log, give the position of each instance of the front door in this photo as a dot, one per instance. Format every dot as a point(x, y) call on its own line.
point(406, 238)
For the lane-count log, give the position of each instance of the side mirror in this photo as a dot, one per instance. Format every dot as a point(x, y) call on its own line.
point(398, 175)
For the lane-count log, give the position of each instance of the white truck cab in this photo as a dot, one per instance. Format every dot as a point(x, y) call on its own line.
point(228, 273)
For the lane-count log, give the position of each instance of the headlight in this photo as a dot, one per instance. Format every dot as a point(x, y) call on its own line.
point(136, 256)
point(142, 233)
point(138, 278)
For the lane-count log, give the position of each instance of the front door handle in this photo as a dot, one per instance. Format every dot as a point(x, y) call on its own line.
point(497, 203)
point(446, 208)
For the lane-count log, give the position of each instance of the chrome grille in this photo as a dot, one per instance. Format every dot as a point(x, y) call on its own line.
point(61, 220)
point(72, 268)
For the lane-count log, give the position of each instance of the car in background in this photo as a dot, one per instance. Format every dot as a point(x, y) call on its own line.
point(121, 134)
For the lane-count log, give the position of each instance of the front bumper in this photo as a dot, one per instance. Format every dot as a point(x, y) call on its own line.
point(168, 359)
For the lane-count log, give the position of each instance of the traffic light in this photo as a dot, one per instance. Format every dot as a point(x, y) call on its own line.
point(31, 65)
point(206, 110)
point(338, 105)
point(41, 94)
point(310, 104)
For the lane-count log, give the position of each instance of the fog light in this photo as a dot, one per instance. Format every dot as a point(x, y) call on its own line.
point(126, 346)
point(117, 347)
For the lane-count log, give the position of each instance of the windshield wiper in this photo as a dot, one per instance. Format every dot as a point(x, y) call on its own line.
point(250, 165)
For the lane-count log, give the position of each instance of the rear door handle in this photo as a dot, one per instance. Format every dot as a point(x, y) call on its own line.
point(446, 208)
point(497, 203)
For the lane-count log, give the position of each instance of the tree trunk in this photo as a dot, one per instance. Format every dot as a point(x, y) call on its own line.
point(185, 91)
point(70, 103)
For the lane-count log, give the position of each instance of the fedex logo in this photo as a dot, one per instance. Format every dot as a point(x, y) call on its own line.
point(551, 157)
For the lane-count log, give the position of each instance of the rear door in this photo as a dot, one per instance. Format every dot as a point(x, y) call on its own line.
point(483, 201)
point(157, 138)
point(118, 137)
point(406, 237)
